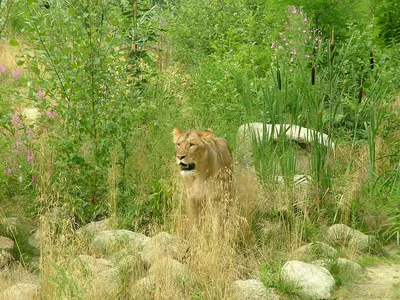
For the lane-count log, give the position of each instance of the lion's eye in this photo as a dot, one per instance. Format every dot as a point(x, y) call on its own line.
point(191, 145)
point(178, 145)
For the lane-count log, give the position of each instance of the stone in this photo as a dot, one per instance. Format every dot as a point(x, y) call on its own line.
point(145, 287)
point(317, 250)
point(6, 248)
point(168, 267)
point(343, 235)
point(103, 276)
point(93, 228)
point(247, 133)
point(314, 281)
point(21, 291)
point(165, 245)
point(250, 289)
point(109, 240)
point(349, 267)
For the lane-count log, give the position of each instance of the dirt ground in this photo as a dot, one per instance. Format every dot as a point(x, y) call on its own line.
point(383, 283)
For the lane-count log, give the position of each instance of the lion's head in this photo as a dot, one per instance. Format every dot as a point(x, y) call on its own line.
point(191, 148)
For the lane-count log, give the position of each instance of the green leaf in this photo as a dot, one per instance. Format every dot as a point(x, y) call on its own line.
point(35, 70)
point(13, 43)
point(20, 62)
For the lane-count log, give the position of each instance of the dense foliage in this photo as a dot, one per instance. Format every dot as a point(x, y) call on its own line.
point(111, 79)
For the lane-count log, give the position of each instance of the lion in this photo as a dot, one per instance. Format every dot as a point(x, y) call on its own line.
point(206, 167)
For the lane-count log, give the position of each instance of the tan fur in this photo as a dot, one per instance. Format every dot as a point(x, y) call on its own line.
point(206, 167)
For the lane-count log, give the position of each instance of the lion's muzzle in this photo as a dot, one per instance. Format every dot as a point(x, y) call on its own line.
point(186, 167)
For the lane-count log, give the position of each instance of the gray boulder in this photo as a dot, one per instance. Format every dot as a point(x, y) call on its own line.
point(109, 241)
point(168, 267)
point(93, 228)
point(317, 250)
point(349, 267)
point(250, 289)
point(6, 247)
point(21, 291)
point(164, 245)
point(314, 281)
point(343, 235)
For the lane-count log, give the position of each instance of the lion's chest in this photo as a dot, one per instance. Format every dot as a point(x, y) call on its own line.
point(198, 189)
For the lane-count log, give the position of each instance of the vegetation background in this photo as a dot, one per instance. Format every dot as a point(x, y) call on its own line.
point(107, 82)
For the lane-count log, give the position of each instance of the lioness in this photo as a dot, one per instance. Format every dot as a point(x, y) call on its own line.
point(206, 166)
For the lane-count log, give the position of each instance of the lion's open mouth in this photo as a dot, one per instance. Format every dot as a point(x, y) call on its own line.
point(186, 167)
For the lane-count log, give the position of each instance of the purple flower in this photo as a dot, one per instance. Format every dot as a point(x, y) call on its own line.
point(2, 69)
point(30, 158)
point(51, 114)
point(8, 171)
point(29, 133)
point(15, 120)
point(40, 94)
point(16, 74)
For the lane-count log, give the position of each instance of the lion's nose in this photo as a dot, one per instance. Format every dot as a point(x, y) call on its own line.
point(181, 156)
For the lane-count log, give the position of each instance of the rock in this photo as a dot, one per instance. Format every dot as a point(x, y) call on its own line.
point(343, 235)
point(247, 133)
point(317, 250)
point(6, 248)
point(314, 281)
point(21, 291)
point(6, 244)
point(349, 267)
point(298, 180)
point(16, 272)
point(145, 287)
point(250, 289)
point(168, 267)
point(34, 239)
point(165, 245)
point(95, 265)
point(104, 277)
point(93, 228)
point(109, 240)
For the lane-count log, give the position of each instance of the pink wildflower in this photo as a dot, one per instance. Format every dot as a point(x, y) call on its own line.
point(33, 179)
point(294, 52)
point(307, 55)
point(16, 74)
point(2, 69)
point(51, 114)
point(291, 59)
point(8, 171)
point(30, 158)
point(15, 120)
point(40, 94)
point(29, 133)
point(294, 11)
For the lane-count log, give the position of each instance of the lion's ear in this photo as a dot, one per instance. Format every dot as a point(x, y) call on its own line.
point(176, 134)
point(208, 134)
